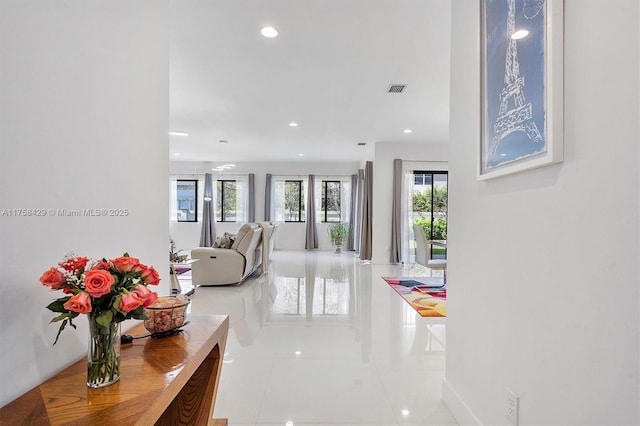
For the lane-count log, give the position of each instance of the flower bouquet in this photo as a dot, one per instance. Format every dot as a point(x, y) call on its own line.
point(109, 292)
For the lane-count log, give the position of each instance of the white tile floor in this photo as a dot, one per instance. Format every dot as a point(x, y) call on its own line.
point(346, 350)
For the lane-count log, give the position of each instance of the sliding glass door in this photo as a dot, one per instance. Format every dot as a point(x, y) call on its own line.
point(429, 207)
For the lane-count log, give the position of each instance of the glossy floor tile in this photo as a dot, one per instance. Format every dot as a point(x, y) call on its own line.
point(321, 339)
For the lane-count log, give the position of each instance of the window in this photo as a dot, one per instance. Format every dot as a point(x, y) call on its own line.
point(289, 199)
point(226, 210)
point(330, 201)
point(187, 200)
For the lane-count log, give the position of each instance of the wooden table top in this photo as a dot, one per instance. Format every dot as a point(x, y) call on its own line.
point(152, 372)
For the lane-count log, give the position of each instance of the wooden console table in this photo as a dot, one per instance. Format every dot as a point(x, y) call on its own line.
point(166, 381)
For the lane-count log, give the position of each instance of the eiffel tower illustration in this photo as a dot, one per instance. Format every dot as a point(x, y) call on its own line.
point(518, 118)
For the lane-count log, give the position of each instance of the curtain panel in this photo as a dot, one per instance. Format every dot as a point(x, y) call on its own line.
point(208, 233)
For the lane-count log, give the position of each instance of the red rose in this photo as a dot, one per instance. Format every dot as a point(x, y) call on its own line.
point(53, 278)
point(151, 276)
point(130, 302)
point(98, 282)
point(125, 264)
point(140, 267)
point(80, 303)
point(74, 264)
point(145, 294)
point(102, 264)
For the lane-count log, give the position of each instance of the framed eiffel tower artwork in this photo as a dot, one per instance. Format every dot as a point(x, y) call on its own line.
point(522, 83)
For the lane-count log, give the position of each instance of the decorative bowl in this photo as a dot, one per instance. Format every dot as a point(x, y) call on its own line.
point(166, 313)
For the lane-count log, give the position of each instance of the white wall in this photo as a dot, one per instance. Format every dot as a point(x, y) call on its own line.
point(83, 125)
point(543, 265)
point(290, 236)
point(385, 153)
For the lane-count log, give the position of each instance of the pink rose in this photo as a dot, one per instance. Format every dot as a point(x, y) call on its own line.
point(74, 264)
point(130, 302)
point(140, 267)
point(146, 295)
point(125, 263)
point(151, 276)
point(98, 282)
point(80, 303)
point(53, 278)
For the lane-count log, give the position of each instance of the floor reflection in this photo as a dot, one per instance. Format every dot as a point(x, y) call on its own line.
point(324, 327)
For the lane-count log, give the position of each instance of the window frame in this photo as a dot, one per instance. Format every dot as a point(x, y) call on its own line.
point(195, 209)
point(323, 201)
point(221, 194)
point(301, 216)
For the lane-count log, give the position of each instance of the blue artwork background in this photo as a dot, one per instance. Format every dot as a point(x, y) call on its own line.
point(530, 54)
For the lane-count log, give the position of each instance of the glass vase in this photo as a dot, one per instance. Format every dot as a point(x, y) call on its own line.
point(103, 366)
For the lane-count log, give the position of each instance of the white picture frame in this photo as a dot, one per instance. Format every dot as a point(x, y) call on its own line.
point(521, 86)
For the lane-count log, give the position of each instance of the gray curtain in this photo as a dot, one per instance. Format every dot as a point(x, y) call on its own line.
point(310, 267)
point(208, 234)
point(251, 216)
point(311, 240)
point(366, 239)
point(396, 213)
point(358, 224)
point(352, 212)
point(267, 198)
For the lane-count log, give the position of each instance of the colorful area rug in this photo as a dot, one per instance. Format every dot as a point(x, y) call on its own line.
point(427, 295)
point(181, 269)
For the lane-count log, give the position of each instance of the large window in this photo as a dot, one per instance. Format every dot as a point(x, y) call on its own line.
point(226, 210)
point(187, 200)
point(330, 201)
point(289, 201)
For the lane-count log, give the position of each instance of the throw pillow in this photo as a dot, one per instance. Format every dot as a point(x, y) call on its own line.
point(231, 237)
point(222, 242)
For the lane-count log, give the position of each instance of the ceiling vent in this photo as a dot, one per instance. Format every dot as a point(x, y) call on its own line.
point(362, 143)
point(396, 88)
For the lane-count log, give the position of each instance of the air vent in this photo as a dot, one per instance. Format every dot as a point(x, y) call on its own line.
point(396, 88)
point(362, 143)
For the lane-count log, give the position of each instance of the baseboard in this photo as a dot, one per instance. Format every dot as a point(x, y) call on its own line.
point(463, 414)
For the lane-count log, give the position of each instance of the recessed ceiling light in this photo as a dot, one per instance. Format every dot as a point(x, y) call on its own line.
point(178, 133)
point(405, 412)
point(176, 153)
point(229, 165)
point(223, 141)
point(300, 155)
point(269, 32)
point(293, 124)
point(407, 130)
point(519, 34)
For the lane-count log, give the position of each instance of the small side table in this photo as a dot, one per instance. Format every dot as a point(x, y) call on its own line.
point(176, 288)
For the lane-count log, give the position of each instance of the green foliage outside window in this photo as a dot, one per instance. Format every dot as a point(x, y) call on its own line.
point(439, 227)
point(294, 201)
point(422, 200)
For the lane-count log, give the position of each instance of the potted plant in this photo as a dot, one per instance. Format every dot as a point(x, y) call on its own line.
point(338, 233)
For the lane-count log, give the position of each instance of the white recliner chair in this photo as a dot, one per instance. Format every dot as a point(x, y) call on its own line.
point(423, 252)
point(222, 266)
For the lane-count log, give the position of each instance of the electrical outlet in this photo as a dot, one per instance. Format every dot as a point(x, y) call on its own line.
point(512, 406)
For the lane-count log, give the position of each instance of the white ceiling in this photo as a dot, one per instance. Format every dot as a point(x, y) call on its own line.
point(328, 70)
